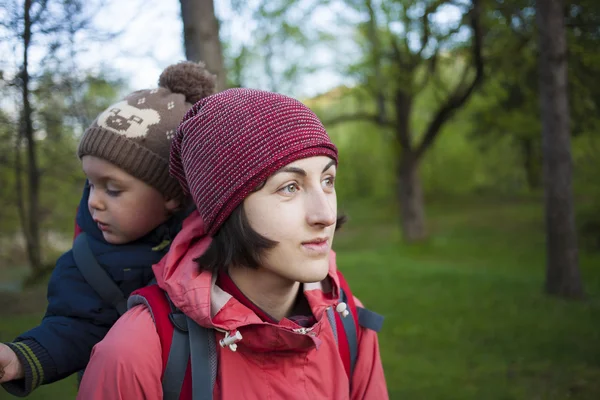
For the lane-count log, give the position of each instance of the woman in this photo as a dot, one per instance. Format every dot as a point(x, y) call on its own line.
point(252, 266)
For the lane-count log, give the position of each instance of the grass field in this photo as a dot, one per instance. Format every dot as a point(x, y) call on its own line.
point(465, 314)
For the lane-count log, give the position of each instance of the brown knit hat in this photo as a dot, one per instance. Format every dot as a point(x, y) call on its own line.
point(135, 133)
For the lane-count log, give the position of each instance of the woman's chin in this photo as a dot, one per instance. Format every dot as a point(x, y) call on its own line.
point(315, 272)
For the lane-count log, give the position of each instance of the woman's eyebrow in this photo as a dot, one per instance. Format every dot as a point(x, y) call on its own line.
point(293, 170)
point(331, 163)
point(300, 171)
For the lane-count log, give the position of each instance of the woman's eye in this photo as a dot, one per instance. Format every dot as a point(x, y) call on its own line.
point(328, 182)
point(290, 189)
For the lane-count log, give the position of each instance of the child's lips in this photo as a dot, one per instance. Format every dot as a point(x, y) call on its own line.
point(102, 226)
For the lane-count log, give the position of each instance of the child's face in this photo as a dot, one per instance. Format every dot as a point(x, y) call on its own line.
point(124, 207)
point(297, 207)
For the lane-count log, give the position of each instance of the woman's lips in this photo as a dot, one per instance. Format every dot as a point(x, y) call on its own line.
point(317, 246)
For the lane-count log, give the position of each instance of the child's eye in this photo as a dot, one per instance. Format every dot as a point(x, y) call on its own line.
point(290, 189)
point(113, 193)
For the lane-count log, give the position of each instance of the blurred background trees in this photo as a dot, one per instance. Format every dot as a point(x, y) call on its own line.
point(460, 125)
point(436, 98)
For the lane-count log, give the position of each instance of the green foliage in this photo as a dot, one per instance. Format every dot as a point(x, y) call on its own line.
point(454, 166)
point(586, 148)
point(63, 114)
point(65, 105)
point(509, 103)
point(588, 223)
point(367, 152)
point(365, 159)
point(281, 31)
point(8, 216)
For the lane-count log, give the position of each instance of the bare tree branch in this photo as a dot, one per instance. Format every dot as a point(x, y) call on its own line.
point(376, 51)
point(35, 19)
point(431, 63)
point(426, 34)
point(406, 22)
point(462, 92)
point(403, 102)
point(19, 185)
point(402, 59)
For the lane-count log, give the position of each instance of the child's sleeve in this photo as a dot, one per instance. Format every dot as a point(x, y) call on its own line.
point(75, 320)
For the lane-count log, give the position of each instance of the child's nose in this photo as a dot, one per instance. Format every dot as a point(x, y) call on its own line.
point(94, 201)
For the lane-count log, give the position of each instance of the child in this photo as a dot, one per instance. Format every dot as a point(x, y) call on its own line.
point(254, 307)
point(130, 211)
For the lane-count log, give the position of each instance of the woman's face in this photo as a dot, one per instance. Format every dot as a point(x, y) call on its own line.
point(297, 207)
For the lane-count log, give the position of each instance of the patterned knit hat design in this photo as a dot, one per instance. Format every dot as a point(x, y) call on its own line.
point(135, 133)
point(230, 142)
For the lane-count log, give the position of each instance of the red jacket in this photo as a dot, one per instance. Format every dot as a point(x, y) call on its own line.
point(272, 361)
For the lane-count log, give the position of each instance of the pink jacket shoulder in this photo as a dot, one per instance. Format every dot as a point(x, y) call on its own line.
point(127, 364)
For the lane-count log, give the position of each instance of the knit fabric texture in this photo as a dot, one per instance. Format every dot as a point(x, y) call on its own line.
point(135, 133)
point(231, 142)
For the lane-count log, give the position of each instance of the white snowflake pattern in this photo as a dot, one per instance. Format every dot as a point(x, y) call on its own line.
point(154, 91)
point(171, 105)
point(142, 100)
point(170, 134)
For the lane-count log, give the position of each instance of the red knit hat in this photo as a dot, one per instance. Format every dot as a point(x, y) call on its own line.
point(230, 142)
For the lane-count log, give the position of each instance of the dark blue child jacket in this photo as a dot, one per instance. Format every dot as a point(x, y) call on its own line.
point(77, 318)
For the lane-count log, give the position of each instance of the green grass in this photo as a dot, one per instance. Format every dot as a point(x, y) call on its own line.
point(465, 314)
point(466, 317)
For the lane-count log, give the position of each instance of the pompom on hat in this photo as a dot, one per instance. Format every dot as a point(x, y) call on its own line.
point(231, 142)
point(135, 133)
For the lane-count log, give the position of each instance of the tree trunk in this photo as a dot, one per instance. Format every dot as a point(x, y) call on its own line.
point(19, 183)
point(201, 37)
point(412, 204)
point(410, 191)
point(562, 270)
point(32, 227)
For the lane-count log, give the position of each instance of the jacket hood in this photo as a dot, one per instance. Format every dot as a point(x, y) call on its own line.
point(195, 293)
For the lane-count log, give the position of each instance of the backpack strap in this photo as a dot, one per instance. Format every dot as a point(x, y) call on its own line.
point(188, 350)
point(96, 276)
point(177, 367)
point(203, 358)
point(369, 319)
point(346, 329)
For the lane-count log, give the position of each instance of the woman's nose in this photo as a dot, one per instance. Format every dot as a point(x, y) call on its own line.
point(321, 208)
